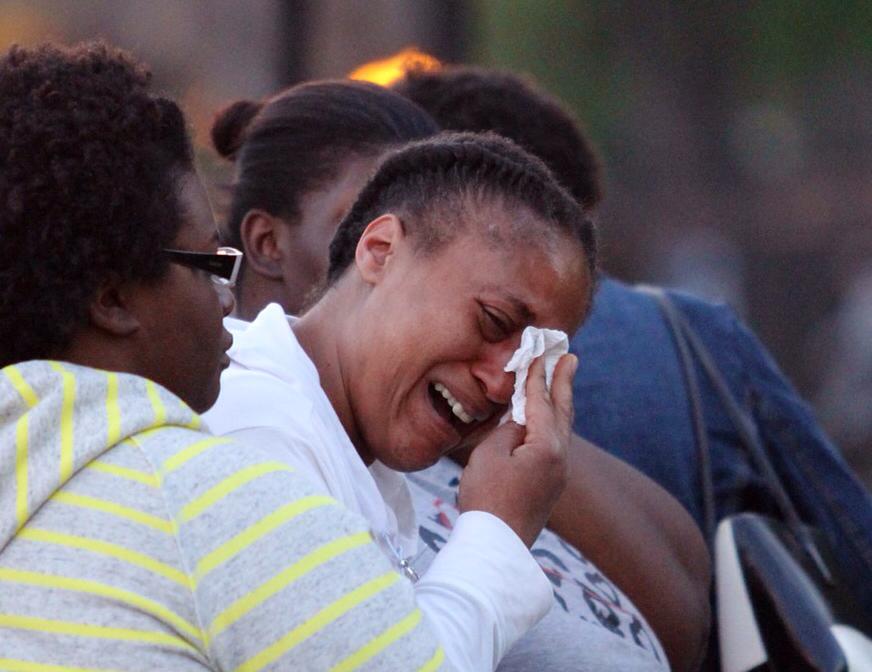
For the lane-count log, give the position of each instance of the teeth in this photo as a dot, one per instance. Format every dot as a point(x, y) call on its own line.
point(456, 406)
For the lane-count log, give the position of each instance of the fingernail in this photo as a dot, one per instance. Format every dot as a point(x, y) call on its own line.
point(574, 364)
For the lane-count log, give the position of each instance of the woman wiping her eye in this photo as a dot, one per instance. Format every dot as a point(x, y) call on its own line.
point(452, 248)
point(317, 127)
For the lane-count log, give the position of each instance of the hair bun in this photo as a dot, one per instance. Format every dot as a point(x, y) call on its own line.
point(231, 124)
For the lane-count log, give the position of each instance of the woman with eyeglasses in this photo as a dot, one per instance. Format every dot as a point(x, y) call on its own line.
point(130, 538)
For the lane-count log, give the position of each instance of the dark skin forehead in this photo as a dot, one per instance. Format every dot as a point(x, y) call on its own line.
point(542, 280)
point(505, 226)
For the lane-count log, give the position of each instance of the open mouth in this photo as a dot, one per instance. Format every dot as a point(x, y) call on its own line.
point(448, 406)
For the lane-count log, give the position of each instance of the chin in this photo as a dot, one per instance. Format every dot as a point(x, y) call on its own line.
point(411, 459)
point(199, 406)
point(206, 398)
point(407, 467)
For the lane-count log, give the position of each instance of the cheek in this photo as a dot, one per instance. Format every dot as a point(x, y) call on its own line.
point(205, 319)
point(312, 246)
point(428, 346)
point(299, 264)
point(313, 257)
point(303, 268)
point(391, 359)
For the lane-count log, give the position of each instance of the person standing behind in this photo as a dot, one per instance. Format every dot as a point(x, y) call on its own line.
point(630, 360)
point(302, 156)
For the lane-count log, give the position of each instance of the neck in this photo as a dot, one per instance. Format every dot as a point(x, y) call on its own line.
point(90, 348)
point(255, 291)
point(321, 335)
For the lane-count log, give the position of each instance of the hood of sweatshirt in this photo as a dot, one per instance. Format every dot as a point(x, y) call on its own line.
point(57, 417)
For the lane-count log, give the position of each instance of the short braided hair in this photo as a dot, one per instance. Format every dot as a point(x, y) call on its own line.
point(443, 174)
point(89, 168)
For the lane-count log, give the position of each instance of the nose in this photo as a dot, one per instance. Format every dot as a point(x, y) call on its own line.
point(489, 370)
point(225, 296)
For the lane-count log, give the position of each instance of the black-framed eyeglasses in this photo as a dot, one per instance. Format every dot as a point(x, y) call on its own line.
point(222, 266)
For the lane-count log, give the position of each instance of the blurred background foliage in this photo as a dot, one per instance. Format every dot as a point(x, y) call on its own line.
point(736, 136)
point(738, 148)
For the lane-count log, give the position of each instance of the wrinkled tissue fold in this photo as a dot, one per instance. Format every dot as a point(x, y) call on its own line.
point(535, 342)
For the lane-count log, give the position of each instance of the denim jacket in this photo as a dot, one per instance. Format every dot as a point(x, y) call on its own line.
point(630, 399)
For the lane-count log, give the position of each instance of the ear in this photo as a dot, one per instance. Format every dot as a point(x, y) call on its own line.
point(263, 242)
point(378, 243)
point(112, 309)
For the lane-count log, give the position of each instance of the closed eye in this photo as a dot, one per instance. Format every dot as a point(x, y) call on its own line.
point(497, 326)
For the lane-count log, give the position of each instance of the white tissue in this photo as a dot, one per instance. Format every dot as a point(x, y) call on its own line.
point(549, 343)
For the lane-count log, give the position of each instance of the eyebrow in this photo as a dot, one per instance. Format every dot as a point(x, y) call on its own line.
point(519, 305)
point(522, 308)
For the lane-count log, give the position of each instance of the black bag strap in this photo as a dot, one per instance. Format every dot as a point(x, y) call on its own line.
point(694, 395)
point(689, 345)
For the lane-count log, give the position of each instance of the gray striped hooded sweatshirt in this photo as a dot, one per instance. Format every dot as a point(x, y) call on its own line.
point(130, 539)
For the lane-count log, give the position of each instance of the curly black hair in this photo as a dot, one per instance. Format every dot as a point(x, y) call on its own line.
point(89, 174)
point(465, 98)
point(430, 183)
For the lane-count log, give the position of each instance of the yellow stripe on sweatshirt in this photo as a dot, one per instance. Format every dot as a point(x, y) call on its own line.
point(114, 509)
point(435, 662)
point(379, 644)
point(21, 442)
point(21, 447)
point(106, 548)
point(21, 386)
point(196, 422)
point(156, 609)
point(113, 411)
point(244, 539)
point(157, 405)
point(67, 428)
point(151, 480)
point(227, 486)
point(10, 665)
point(189, 453)
point(16, 622)
point(319, 621)
point(281, 580)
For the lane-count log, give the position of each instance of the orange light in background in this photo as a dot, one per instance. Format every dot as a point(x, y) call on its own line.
point(20, 24)
point(388, 70)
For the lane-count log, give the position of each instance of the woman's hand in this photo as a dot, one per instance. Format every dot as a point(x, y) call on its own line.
point(518, 473)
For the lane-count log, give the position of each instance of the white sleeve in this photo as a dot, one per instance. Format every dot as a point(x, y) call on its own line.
point(483, 591)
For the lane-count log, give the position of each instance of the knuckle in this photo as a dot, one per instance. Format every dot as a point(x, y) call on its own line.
point(554, 457)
